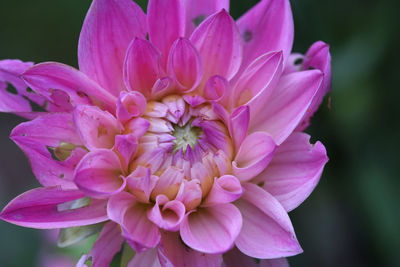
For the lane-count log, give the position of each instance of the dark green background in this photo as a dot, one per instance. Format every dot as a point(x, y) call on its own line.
point(352, 218)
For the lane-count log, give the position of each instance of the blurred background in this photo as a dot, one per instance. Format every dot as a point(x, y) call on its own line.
point(352, 218)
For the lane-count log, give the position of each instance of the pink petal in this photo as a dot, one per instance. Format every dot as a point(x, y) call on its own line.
point(184, 64)
point(132, 104)
point(212, 229)
point(126, 148)
point(294, 171)
point(235, 258)
point(148, 258)
point(140, 183)
point(141, 67)
point(190, 194)
point(139, 231)
point(169, 183)
point(239, 124)
point(218, 41)
point(267, 231)
point(253, 156)
point(43, 136)
point(169, 216)
point(180, 255)
point(106, 246)
point(198, 11)
point(287, 104)
point(317, 57)
point(257, 82)
point(98, 174)
point(266, 27)
point(38, 208)
point(215, 88)
point(96, 127)
point(47, 78)
point(109, 27)
point(225, 189)
point(166, 22)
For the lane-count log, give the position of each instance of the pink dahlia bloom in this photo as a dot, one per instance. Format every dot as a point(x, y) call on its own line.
point(179, 135)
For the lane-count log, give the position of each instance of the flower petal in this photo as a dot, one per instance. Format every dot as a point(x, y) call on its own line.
point(169, 216)
point(39, 208)
point(212, 229)
point(287, 104)
point(131, 104)
point(98, 174)
point(266, 27)
point(235, 258)
point(267, 231)
point(218, 41)
point(96, 127)
point(166, 22)
point(239, 124)
point(179, 255)
point(141, 66)
point(109, 27)
point(225, 189)
point(294, 171)
point(148, 258)
point(253, 156)
point(198, 11)
point(140, 183)
point(47, 78)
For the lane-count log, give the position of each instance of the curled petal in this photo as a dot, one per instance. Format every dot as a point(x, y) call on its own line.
point(126, 147)
point(267, 231)
point(215, 88)
point(140, 183)
point(253, 156)
point(108, 28)
point(212, 229)
point(190, 194)
point(169, 183)
point(98, 174)
point(225, 189)
point(239, 124)
point(132, 104)
point(169, 216)
point(39, 208)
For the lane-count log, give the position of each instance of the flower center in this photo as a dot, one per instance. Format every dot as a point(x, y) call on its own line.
point(185, 136)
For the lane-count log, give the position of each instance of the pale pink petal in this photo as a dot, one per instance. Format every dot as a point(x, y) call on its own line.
point(169, 216)
point(225, 189)
point(107, 245)
point(257, 82)
point(50, 77)
point(96, 127)
point(212, 229)
point(266, 27)
point(126, 148)
point(129, 105)
point(169, 183)
point(184, 64)
point(253, 156)
point(141, 67)
point(317, 57)
point(166, 22)
point(178, 254)
point(98, 174)
point(294, 171)
point(109, 27)
point(239, 124)
point(52, 145)
point(218, 41)
point(216, 88)
point(139, 231)
point(235, 258)
point(190, 194)
point(148, 258)
point(140, 183)
point(287, 104)
point(39, 208)
point(198, 11)
point(267, 231)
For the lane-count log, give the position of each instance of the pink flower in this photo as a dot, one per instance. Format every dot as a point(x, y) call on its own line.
point(181, 133)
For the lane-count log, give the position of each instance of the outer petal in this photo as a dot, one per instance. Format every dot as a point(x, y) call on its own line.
point(267, 231)
point(213, 229)
point(141, 67)
point(97, 128)
point(179, 255)
point(108, 28)
point(287, 105)
point(50, 77)
point(148, 258)
point(38, 208)
point(106, 246)
point(317, 57)
point(235, 258)
point(218, 41)
point(166, 22)
point(253, 156)
point(294, 171)
point(198, 11)
point(52, 146)
point(266, 27)
point(98, 174)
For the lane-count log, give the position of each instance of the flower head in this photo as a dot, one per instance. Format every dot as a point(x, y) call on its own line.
point(180, 133)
